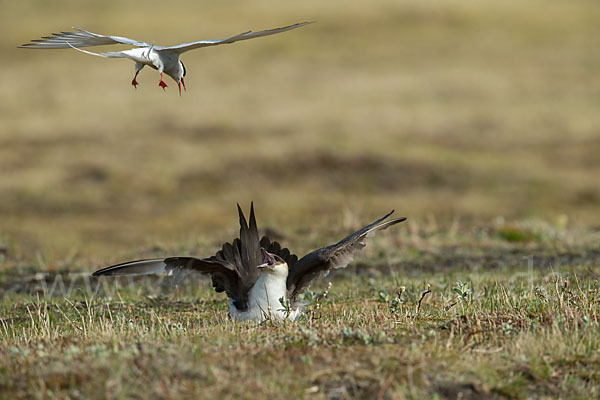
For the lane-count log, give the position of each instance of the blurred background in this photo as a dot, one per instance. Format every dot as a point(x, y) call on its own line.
point(448, 111)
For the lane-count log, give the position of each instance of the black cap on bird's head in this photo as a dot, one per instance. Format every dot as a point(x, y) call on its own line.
point(182, 66)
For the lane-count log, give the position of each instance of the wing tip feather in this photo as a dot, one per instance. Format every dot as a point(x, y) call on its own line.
point(243, 222)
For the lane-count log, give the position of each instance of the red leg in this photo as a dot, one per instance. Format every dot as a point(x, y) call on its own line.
point(162, 83)
point(181, 82)
point(134, 82)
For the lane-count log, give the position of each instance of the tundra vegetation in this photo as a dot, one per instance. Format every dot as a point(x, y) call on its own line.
point(477, 120)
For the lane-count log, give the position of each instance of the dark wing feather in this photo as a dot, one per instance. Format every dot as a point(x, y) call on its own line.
point(335, 256)
point(232, 269)
point(168, 265)
point(139, 267)
point(249, 243)
point(221, 271)
point(244, 255)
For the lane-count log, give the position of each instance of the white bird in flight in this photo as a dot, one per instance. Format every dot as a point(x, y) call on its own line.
point(259, 276)
point(164, 59)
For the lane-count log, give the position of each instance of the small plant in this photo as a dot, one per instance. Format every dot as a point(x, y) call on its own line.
point(464, 294)
point(541, 294)
point(307, 297)
point(517, 234)
point(356, 335)
point(463, 291)
point(507, 328)
point(397, 301)
point(383, 296)
point(286, 306)
point(317, 301)
point(350, 335)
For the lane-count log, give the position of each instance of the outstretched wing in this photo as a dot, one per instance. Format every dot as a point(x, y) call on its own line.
point(232, 270)
point(169, 265)
point(182, 48)
point(79, 38)
point(179, 266)
point(338, 255)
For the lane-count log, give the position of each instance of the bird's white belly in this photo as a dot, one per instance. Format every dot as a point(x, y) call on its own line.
point(263, 302)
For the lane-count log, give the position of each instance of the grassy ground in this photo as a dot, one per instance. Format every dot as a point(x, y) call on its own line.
point(477, 120)
point(505, 312)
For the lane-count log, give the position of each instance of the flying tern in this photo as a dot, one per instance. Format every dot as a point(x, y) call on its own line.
point(164, 59)
point(258, 276)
